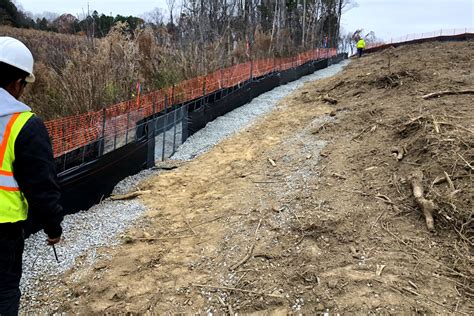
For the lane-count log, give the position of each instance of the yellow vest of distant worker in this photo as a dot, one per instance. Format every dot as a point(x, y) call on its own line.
point(13, 205)
point(361, 44)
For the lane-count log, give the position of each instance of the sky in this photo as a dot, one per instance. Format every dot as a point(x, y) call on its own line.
point(395, 18)
point(387, 18)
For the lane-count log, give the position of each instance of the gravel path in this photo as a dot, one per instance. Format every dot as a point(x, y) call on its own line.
point(100, 226)
point(232, 122)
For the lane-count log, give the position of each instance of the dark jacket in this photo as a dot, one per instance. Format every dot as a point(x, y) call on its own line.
point(35, 171)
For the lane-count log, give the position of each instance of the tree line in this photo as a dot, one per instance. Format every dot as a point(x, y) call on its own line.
point(92, 24)
point(278, 26)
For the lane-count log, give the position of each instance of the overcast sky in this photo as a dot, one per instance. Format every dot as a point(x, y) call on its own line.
point(387, 18)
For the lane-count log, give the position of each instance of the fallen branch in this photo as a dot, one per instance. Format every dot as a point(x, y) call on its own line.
point(377, 220)
point(244, 259)
point(272, 162)
point(436, 125)
point(129, 196)
point(236, 289)
point(413, 120)
point(467, 163)
point(443, 93)
point(425, 255)
point(199, 224)
point(379, 270)
point(384, 198)
point(163, 238)
point(190, 227)
point(457, 126)
point(340, 176)
point(427, 206)
point(318, 129)
point(450, 182)
point(329, 100)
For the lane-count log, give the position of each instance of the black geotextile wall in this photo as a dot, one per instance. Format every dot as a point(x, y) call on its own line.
point(226, 100)
point(88, 184)
point(84, 185)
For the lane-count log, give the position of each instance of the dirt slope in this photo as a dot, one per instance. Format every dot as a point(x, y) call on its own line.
point(309, 209)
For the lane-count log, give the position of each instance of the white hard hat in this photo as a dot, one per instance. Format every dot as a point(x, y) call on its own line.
point(16, 54)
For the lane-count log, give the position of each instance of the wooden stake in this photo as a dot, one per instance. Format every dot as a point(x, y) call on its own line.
point(129, 196)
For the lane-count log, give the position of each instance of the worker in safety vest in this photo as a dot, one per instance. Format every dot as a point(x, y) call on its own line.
point(28, 183)
point(360, 47)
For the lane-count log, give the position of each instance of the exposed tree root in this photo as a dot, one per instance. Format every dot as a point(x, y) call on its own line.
point(399, 152)
point(427, 206)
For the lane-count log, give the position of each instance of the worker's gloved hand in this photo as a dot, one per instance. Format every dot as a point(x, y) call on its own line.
point(53, 241)
point(54, 232)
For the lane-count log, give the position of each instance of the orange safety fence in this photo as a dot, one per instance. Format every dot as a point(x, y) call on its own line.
point(426, 35)
point(70, 133)
point(262, 67)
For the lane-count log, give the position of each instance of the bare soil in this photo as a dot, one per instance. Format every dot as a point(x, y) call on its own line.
point(309, 209)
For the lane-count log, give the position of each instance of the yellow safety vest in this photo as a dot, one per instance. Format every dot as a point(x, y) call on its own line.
point(361, 44)
point(13, 205)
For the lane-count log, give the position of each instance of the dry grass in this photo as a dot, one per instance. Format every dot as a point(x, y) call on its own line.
point(76, 74)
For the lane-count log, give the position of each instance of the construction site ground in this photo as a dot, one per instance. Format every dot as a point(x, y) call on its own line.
point(309, 209)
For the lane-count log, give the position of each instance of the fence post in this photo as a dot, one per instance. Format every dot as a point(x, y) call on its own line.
point(204, 87)
point(173, 100)
point(128, 126)
point(115, 132)
point(174, 131)
point(102, 142)
point(164, 129)
point(150, 162)
point(251, 69)
point(184, 123)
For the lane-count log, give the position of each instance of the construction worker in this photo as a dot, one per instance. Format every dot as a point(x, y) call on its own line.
point(28, 182)
point(360, 47)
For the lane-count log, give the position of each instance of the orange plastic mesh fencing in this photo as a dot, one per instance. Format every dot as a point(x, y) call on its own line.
point(72, 132)
point(76, 131)
point(213, 82)
point(262, 67)
point(187, 90)
point(235, 75)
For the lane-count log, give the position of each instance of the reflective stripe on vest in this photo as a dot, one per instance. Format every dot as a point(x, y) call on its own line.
point(13, 205)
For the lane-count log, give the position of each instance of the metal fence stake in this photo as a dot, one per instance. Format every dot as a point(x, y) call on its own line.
point(164, 129)
point(126, 132)
point(102, 143)
point(115, 132)
point(174, 132)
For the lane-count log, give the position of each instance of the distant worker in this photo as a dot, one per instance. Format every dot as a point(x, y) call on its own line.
point(360, 47)
point(28, 181)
